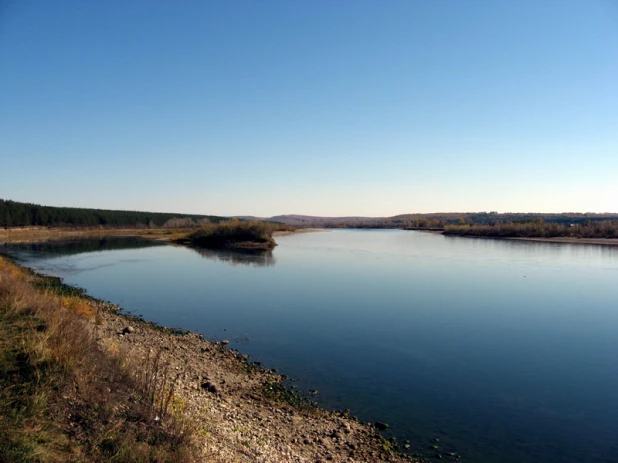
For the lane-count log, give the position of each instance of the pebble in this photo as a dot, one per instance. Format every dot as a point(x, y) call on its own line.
point(210, 387)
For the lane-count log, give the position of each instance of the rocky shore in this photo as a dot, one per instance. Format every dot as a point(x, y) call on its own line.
point(242, 412)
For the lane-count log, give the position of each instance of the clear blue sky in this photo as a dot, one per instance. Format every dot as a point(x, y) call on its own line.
point(311, 107)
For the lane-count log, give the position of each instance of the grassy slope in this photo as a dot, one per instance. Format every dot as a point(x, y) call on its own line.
point(62, 399)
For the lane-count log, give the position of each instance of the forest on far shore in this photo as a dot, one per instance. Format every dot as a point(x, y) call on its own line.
point(538, 229)
point(441, 220)
point(16, 214)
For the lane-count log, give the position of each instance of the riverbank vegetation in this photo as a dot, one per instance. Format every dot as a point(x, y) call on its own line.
point(16, 214)
point(63, 398)
point(235, 234)
point(441, 219)
point(537, 229)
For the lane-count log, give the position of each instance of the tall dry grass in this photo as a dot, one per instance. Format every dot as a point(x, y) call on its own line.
point(63, 399)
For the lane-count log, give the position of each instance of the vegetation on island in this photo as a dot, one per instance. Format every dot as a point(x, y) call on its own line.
point(63, 397)
point(16, 214)
point(537, 229)
point(235, 234)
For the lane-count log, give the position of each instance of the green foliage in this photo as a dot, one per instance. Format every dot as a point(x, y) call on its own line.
point(16, 214)
point(538, 229)
point(234, 232)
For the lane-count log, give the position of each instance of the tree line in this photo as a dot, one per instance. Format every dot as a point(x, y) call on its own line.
point(538, 229)
point(494, 218)
point(444, 219)
point(17, 214)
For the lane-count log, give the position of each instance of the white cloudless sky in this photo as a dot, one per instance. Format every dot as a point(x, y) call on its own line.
point(311, 107)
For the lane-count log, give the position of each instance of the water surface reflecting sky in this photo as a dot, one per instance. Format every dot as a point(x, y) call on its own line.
point(505, 350)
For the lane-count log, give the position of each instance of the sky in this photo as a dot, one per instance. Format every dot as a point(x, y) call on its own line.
point(330, 108)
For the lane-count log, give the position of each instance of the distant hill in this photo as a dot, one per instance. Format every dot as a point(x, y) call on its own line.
point(310, 220)
point(16, 214)
point(300, 220)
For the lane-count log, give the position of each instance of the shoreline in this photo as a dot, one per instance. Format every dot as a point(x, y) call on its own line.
point(241, 411)
point(42, 234)
point(39, 234)
point(562, 240)
point(175, 236)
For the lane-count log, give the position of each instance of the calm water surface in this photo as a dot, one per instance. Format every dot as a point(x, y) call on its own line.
point(506, 351)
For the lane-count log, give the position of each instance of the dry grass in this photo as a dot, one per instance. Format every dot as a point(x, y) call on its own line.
point(62, 399)
point(38, 234)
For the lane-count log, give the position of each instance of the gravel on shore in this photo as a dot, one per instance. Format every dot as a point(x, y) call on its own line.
point(239, 411)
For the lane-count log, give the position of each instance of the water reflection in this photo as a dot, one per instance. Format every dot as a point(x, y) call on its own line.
point(252, 257)
point(536, 248)
point(504, 350)
point(56, 248)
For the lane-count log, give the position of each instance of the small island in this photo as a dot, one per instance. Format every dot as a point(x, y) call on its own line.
point(233, 234)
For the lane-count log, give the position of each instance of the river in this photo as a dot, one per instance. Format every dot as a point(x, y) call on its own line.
point(501, 351)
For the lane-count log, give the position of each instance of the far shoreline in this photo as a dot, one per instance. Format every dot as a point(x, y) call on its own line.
point(559, 240)
point(41, 234)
